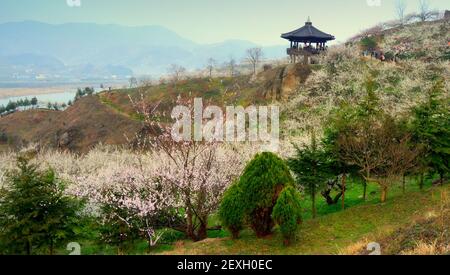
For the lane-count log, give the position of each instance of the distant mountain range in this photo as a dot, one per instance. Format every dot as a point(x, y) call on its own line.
point(34, 50)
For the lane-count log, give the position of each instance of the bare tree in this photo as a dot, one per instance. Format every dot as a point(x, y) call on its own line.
point(176, 72)
point(146, 81)
point(381, 151)
point(254, 57)
point(211, 64)
point(133, 82)
point(231, 66)
point(400, 9)
point(424, 8)
point(425, 13)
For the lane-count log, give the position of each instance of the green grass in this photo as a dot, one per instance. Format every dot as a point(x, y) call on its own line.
point(331, 232)
point(222, 91)
point(116, 107)
point(354, 196)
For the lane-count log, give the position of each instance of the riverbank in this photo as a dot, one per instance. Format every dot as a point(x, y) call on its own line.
point(61, 94)
point(51, 89)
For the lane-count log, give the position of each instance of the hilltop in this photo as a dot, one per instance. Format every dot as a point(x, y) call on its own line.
point(79, 128)
point(306, 94)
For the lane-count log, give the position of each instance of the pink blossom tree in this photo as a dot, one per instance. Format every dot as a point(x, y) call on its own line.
point(132, 198)
point(196, 172)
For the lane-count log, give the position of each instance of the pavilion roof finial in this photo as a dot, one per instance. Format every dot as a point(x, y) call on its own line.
point(309, 21)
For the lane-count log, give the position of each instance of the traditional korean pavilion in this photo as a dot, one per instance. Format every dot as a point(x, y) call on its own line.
point(314, 41)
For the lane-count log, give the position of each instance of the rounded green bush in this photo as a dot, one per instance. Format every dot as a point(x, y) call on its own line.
point(287, 213)
point(261, 183)
point(263, 179)
point(231, 211)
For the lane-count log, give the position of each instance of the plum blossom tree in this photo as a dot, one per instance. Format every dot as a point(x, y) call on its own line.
point(128, 195)
point(196, 172)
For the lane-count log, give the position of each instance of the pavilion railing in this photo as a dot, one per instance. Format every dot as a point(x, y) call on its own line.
point(303, 51)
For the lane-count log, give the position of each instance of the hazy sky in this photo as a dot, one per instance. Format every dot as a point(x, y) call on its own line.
point(210, 21)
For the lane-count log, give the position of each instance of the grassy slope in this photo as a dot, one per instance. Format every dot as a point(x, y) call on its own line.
point(217, 91)
point(332, 233)
point(402, 86)
point(88, 122)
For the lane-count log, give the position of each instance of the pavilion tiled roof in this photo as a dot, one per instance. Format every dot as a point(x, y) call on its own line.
point(308, 33)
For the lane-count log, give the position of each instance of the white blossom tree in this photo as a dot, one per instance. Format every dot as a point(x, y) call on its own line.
point(197, 172)
point(132, 196)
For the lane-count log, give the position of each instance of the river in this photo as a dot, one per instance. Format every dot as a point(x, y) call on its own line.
point(44, 99)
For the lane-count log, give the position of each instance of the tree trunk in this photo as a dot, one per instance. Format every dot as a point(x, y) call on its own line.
point(51, 246)
point(421, 181)
point(189, 225)
point(404, 184)
point(328, 198)
point(28, 247)
point(202, 232)
point(344, 187)
point(327, 193)
point(262, 222)
point(235, 233)
point(384, 191)
point(313, 200)
point(365, 184)
point(122, 239)
point(365, 190)
point(149, 242)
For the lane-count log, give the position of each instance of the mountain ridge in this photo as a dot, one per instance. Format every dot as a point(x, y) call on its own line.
point(145, 50)
point(307, 94)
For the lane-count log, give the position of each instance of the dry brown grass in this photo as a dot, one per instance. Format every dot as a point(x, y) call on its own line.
point(428, 235)
point(355, 248)
point(434, 248)
point(87, 123)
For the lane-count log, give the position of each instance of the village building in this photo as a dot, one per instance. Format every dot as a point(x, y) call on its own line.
point(447, 15)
